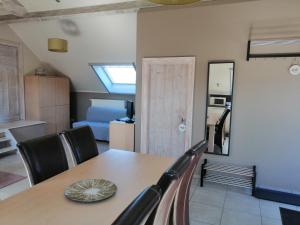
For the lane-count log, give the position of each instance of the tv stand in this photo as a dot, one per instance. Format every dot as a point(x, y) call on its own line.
point(126, 120)
point(121, 135)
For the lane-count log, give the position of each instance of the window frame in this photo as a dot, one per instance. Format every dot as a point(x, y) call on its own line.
point(113, 88)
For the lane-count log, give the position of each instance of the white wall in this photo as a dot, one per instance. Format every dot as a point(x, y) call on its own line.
point(102, 38)
point(220, 78)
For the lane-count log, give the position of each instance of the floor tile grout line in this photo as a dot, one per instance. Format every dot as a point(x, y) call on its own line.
point(223, 206)
point(261, 221)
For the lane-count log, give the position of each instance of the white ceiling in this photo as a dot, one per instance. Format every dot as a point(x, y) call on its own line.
point(109, 38)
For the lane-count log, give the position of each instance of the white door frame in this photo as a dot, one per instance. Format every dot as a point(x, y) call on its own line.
point(146, 63)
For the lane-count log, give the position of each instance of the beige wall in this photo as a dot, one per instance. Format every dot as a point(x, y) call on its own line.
point(30, 61)
point(265, 122)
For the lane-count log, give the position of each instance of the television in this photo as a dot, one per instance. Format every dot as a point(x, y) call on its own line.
point(129, 111)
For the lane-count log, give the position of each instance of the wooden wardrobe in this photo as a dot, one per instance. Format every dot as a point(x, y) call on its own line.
point(47, 98)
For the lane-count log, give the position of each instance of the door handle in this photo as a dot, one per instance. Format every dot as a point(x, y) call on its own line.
point(182, 125)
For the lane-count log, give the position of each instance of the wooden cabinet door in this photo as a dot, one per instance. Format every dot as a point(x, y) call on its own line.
point(32, 108)
point(62, 91)
point(47, 114)
point(121, 135)
point(47, 91)
point(62, 118)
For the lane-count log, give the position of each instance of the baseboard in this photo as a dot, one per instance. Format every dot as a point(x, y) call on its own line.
point(277, 196)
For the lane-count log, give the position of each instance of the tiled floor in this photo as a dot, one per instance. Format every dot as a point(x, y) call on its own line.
point(219, 205)
point(209, 205)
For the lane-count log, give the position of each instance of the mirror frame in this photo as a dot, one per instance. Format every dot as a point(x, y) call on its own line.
point(207, 101)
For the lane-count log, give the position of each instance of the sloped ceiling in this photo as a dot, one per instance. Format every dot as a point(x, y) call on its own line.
point(102, 38)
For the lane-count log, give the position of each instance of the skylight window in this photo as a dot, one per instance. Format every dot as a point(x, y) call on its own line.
point(124, 74)
point(116, 78)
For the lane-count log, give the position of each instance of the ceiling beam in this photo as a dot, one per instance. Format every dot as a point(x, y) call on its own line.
point(37, 16)
point(14, 7)
point(115, 7)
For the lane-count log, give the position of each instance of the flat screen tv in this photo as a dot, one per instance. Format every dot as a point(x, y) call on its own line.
point(130, 111)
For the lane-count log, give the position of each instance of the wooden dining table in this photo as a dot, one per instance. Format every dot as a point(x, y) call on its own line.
point(45, 204)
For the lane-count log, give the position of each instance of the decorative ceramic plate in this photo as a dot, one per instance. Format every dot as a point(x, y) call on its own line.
point(90, 190)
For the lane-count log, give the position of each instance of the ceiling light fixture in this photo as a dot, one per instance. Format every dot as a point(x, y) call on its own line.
point(174, 2)
point(57, 45)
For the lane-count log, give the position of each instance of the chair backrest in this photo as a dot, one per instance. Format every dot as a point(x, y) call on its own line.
point(219, 128)
point(44, 157)
point(198, 148)
point(82, 143)
point(222, 119)
point(140, 208)
point(169, 184)
point(181, 202)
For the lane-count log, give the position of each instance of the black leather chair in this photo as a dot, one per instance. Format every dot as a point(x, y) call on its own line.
point(219, 129)
point(169, 184)
point(197, 149)
point(44, 157)
point(82, 143)
point(181, 202)
point(139, 210)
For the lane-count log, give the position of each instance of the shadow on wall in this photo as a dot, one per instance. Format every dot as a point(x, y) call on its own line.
point(69, 27)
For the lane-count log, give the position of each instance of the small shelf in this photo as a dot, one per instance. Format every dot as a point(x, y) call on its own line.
point(4, 139)
point(269, 55)
point(7, 149)
point(228, 174)
point(227, 180)
point(242, 171)
point(7, 141)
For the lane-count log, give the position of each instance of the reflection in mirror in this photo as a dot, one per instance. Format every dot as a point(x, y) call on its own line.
point(219, 102)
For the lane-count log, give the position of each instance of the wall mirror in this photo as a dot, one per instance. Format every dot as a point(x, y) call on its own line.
point(219, 106)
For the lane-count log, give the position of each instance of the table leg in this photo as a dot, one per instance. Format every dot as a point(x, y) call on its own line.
point(211, 138)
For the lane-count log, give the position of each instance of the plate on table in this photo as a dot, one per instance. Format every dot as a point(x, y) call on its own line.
point(90, 190)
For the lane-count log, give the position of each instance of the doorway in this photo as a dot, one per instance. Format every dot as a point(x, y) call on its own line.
point(10, 104)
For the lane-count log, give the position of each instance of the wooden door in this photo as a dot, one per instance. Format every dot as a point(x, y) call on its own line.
point(9, 84)
point(167, 105)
